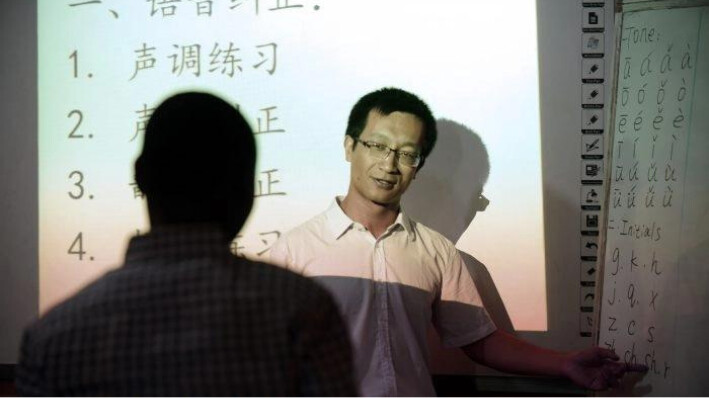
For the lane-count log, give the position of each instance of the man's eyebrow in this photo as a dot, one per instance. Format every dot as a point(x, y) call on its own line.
point(388, 139)
point(380, 136)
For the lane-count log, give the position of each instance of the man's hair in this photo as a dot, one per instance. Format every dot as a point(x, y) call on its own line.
point(386, 101)
point(196, 144)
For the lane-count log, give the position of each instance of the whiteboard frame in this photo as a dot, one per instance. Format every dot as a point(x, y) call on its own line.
point(622, 7)
point(643, 5)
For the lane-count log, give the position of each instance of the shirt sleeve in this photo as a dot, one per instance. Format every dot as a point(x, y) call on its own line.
point(459, 315)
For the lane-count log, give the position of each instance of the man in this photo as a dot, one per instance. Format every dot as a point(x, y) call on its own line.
point(184, 316)
point(393, 276)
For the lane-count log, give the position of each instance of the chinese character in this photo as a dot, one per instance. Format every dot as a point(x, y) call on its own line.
point(85, 3)
point(268, 242)
point(164, 6)
point(143, 117)
point(145, 60)
point(236, 247)
point(268, 119)
point(227, 59)
point(272, 58)
point(280, 5)
point(270, 182)
point(187, 59)
point(237, 3)
point(137, 193)
point(204, 7)
point(115, 14)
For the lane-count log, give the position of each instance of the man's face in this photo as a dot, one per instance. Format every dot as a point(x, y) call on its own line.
point(383, 181)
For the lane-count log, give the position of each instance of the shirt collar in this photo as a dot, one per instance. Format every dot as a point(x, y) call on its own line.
point(406, 223)
point(339, 223)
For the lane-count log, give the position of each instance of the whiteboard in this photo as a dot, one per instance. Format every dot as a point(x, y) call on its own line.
point(655, 278)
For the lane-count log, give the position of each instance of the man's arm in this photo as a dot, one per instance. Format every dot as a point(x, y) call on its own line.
point(594, 368)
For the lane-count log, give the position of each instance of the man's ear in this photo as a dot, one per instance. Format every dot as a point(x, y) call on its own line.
point(349, 147)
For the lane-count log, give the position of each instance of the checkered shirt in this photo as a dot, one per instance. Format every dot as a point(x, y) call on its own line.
point(185, 317)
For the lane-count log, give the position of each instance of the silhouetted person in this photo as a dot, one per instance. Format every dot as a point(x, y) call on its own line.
point(184, 316)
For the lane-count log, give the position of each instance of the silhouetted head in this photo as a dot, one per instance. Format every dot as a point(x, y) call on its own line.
point(197, 164)
point(386, 101)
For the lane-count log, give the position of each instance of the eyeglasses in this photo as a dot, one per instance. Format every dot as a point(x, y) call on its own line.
point(381, 152)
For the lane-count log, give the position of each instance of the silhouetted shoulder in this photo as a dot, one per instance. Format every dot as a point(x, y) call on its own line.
point(163, 321)
point(164, 287)
point(63, 316)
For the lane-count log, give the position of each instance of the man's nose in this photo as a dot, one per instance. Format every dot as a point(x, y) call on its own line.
point(390, 162)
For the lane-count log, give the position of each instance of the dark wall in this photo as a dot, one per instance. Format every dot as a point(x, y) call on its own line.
point(19, 280)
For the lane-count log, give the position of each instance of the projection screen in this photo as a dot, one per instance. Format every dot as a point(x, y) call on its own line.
point(294, 69)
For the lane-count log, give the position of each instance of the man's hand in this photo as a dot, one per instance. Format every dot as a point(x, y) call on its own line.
point(594, 368)
point(597, 368)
